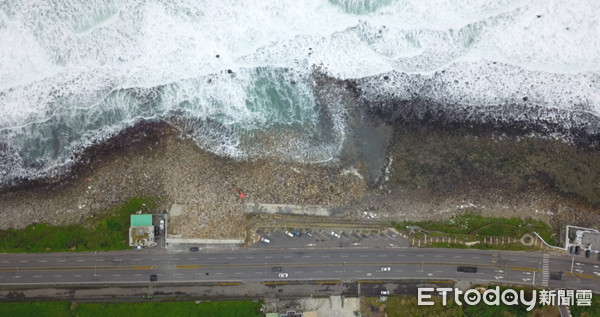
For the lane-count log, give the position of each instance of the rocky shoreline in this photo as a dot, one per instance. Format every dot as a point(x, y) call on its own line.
point(152, 159)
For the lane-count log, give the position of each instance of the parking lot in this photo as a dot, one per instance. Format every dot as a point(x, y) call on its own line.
point(327, 238)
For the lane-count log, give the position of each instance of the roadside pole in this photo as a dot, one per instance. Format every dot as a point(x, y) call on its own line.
point(572, 262)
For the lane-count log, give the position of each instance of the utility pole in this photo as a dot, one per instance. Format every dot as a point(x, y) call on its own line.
point(572, 262)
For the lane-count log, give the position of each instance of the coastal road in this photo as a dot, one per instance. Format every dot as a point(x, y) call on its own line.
point(542, 270)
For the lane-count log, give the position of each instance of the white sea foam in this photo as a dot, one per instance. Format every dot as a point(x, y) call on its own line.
point(72, 71)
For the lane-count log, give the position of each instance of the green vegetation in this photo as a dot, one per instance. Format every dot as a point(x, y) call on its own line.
point(587, 311)
point(443, 160)
point(42, 309)
point(217, 309)
point(396, 306)
point(472, 227)
point(109, 231)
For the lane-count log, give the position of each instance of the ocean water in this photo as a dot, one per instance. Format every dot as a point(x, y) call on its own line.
point(255, 78)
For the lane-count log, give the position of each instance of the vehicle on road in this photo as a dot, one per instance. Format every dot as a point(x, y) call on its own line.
point(385, 269)
point(288, 234)
point(335, 234)
point(153, 278)
point(308, 234)
point(162, 224)
point(265, 240)
point(385, 292)
point(283, 275)
point(277, 269)
point(466, 269)
point(194, 249)
point(295, 232)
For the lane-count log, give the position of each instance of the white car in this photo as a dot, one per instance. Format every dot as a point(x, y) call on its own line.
point(385, 292)
point(162, 224)
point(265, 240)
point(385, 269)
point(283, 275)
point(289, 234)
point(333, 233)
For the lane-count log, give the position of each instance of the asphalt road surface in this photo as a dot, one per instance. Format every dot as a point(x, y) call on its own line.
point(336, 265)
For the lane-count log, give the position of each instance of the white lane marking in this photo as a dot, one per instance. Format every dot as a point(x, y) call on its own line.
point(99, 260)
point(363, 256)
point(212, 258)
point(439, 256)
point(324, 256)
point(298, 272)
point(61, 260)
point(237, 273)
point(116, 274)
point(476, 257)
point(249, 257)
point(339, 271)
point(218, 273)
point(287, 256)
point(3, 261)
point(17, 276)
point(23, 261)
point(57, 275)
point(401, 255)
point(318, 271)
point(343, 256)
point(268, 257)
point(178, 274)
point(43, 261)
point(382, 255)
point(306, 256)
point(259, 272)
point(193, 259)
point(118, 260)
point(137, 259)
point(420, 255)
point(80, 260)
point(230, 257)
point(77, 275)
point(439, 271)
point(358, 271)
point(458, 256)
point(137, 274)
point(37, 276)
point(155, 259)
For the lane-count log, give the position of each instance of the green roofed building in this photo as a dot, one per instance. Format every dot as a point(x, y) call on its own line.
point(141, 231)
point(141, 220)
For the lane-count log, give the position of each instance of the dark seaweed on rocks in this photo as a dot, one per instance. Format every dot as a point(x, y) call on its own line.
point(143, 131)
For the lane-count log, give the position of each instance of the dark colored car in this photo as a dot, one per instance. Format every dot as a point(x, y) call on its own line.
point(194, 249)
point(153, 278)
point(588, 254)
point(277, 269)
point(577, 249)
point(156, 231)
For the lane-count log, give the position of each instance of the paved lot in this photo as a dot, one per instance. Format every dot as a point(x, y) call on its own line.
point(325, 239)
